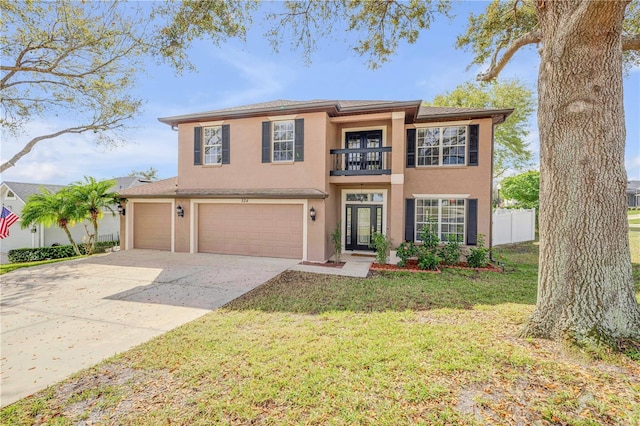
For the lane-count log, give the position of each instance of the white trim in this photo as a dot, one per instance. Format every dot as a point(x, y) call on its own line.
point(130, 212)
point(441, 196)
point(346, 130)
point(193, 216)
point(441, 147)
point(204, 146)
point(443, 124)
point(283, 117)
point(397, 179)
point(211, 123)
point(343, 208)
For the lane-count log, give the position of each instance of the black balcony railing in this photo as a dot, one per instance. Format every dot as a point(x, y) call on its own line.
point(361, 161)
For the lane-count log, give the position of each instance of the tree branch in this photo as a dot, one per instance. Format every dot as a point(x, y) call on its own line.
point(631, 42)
point(493, 71)
point(73, 130)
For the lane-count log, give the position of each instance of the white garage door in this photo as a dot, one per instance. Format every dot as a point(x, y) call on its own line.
point(272, 230)
point(152, 226)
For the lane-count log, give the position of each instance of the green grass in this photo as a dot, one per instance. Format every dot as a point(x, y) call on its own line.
point(13, 266)
point(634, 221)
point(395, 349)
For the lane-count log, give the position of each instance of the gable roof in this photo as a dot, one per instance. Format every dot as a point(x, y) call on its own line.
point(414, 110)
point(23, 190)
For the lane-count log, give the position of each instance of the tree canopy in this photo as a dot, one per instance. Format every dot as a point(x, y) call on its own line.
point(523, 188)
point(75, 62)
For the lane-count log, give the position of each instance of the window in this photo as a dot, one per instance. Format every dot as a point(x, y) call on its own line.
point(10, 195)
point(213, 145)
point(283, 140)
point(439, 146)
point(447, 217)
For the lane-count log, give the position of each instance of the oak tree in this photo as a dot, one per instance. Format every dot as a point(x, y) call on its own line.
point(70, 63)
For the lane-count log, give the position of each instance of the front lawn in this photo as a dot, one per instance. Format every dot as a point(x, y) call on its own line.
point(8, 267)
point(394, 349)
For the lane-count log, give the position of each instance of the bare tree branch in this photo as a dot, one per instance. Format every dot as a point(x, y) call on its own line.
point(631, 42)
point(493, 71)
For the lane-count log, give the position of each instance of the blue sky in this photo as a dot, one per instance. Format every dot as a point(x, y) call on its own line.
point(240, 73)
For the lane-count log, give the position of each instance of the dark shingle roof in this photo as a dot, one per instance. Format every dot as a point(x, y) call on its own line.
point(24, 190)
point(414, 110)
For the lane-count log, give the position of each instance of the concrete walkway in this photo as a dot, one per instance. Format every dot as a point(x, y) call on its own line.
point(354, 266)
point(60, 318)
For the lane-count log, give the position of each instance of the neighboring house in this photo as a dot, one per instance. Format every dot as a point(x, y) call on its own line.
point(633, 193)
point(14, 195)
point(275, 179)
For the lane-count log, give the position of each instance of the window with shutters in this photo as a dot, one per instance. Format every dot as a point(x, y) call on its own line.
point(441, 146)
point(283, 139)
point(447, 217)
point(212, 145)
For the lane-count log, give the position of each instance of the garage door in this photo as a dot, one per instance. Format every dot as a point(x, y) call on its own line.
point(273, 230)
point(152, 226)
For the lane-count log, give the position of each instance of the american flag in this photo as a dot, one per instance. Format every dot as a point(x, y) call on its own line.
point(6, 220)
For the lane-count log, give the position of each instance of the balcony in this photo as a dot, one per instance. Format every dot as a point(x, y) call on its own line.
point(361, 161)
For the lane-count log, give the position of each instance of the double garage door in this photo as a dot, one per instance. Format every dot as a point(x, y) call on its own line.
point(272, 230)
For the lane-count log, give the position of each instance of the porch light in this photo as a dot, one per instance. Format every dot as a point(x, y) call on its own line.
point(33, 229)
point(312, 214)
point(121, 209)
point(180, 211)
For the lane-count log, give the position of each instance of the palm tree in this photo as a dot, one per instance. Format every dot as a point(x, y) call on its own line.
point(92, 197)
point(49, 208)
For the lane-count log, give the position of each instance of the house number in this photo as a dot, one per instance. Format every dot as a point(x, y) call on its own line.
point(245, 200)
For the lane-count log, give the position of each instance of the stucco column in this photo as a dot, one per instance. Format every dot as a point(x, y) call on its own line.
point(396, 200)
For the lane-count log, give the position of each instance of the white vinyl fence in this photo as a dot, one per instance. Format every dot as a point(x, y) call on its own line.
point(513, 226)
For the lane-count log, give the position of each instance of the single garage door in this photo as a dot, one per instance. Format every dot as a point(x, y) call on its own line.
point(152, 226)
point(272, 230)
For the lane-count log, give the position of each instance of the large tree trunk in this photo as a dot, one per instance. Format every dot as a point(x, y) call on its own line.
point(585, 287)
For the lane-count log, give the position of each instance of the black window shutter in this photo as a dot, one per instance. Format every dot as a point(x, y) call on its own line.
point(473, 145)
point(409, 219)
point(226, 142)
point(411, 147)
point(197, 146)
point(472, 221)
point(266, 141)
point(299, 138)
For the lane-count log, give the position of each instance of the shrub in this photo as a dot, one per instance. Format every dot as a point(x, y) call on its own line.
point(429, 238)
point(404, 251)
point(478, 256)
point(56, 252)
point(450, 252)
point(427, 259)
point(382, 245)
point(336, 240)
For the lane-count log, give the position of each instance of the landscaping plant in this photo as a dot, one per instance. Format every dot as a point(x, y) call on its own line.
point(450, 252)
point(404, 251)
point(382, 244)
point(336, 240)
point(478, 256)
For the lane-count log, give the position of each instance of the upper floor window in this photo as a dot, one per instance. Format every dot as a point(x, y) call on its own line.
point(283, 140)
point(439, 146)
point(213, 145)
point(10, 195)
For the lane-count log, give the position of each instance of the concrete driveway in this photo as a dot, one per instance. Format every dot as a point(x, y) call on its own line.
point(60, 318)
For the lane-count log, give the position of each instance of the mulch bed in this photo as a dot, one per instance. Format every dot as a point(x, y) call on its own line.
point(326, 264)
point(412, 266)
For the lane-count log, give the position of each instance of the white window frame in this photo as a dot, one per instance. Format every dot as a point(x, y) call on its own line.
point(10, 195)
point(440, 147)
point(291, 140)
point(440, 218)
point(213, 146)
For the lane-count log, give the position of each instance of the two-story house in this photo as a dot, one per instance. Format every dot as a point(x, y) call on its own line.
point(275, 179)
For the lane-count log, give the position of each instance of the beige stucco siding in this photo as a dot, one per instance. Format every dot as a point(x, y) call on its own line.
point(246, 169)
